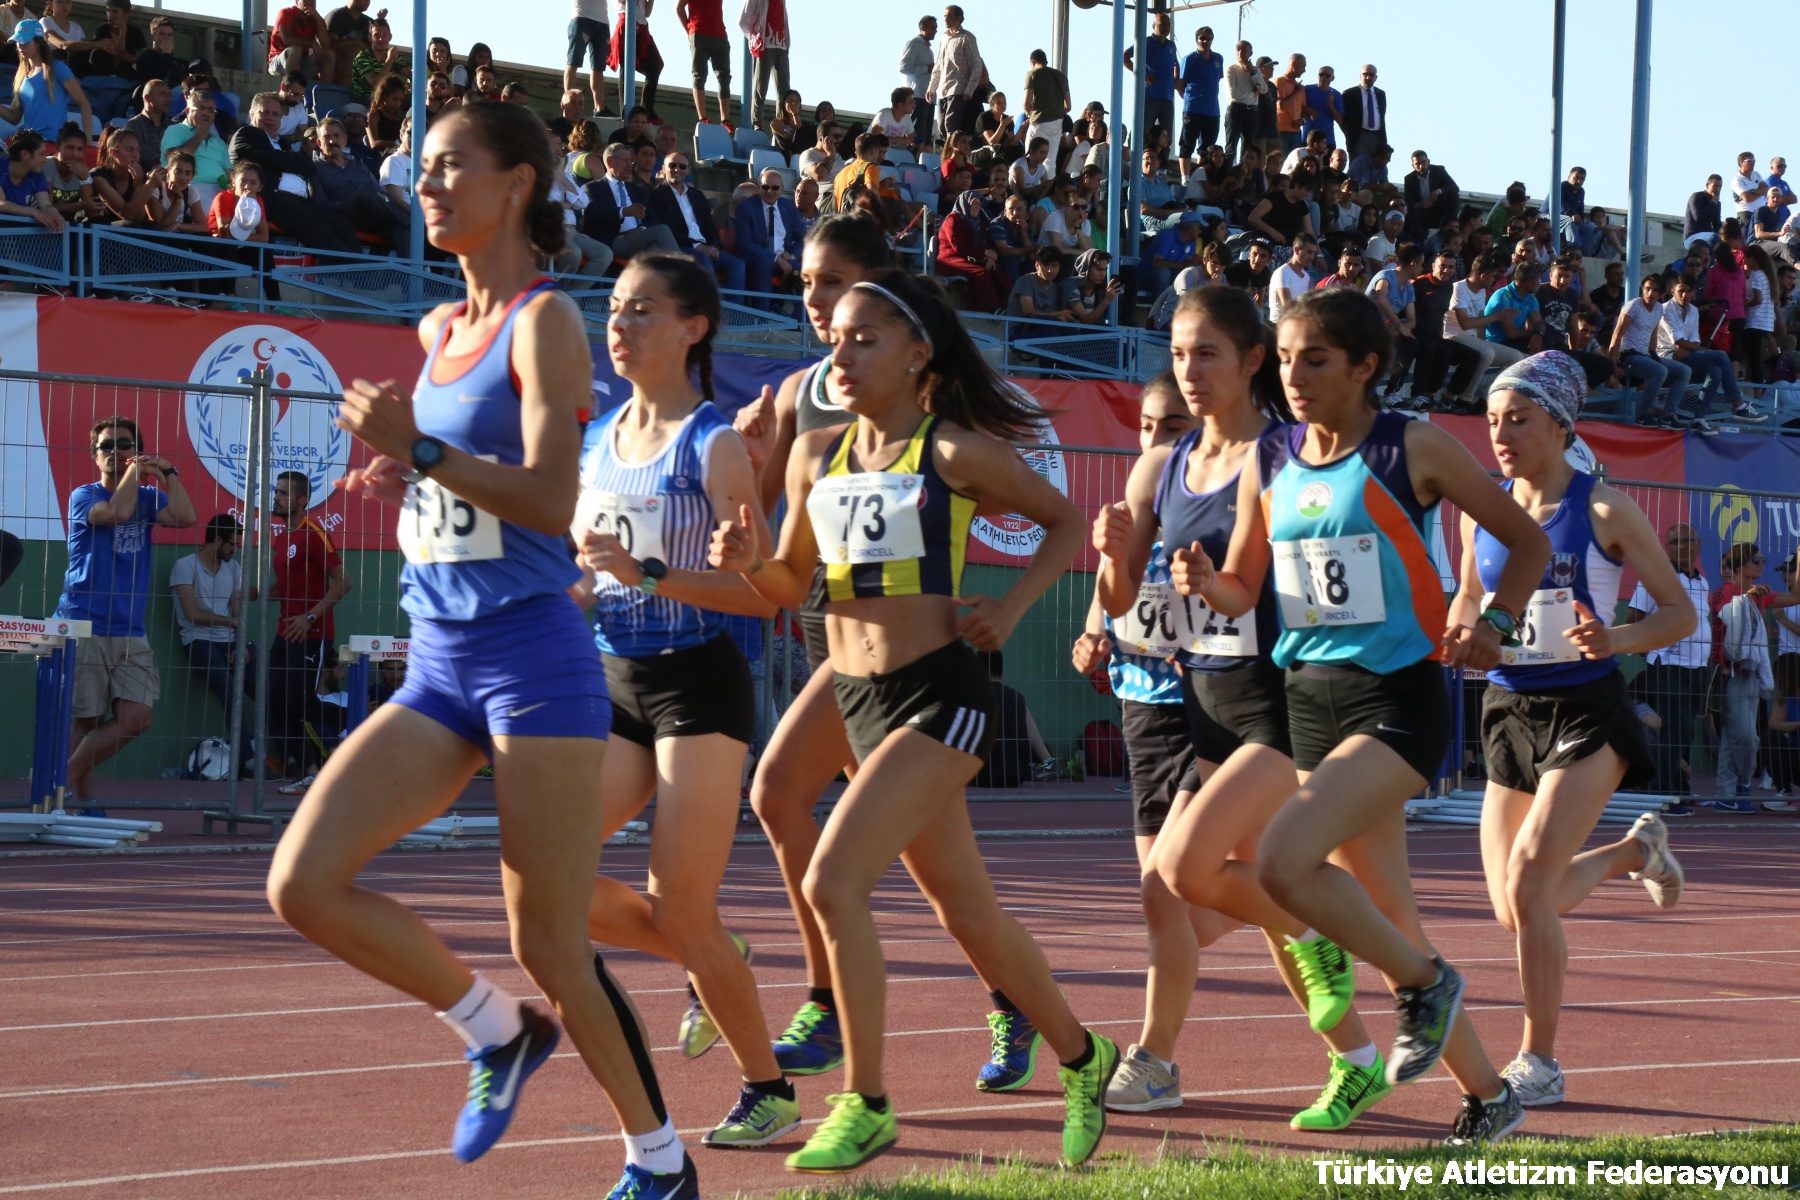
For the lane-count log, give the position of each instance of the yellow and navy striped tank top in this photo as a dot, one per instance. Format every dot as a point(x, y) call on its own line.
point(896, 532)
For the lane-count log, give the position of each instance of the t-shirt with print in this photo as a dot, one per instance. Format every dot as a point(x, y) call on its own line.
point(212, 592)
point(1200, 76)
point(108, 580)
point(1557, 308)
point(303, 558)
point(23, 192)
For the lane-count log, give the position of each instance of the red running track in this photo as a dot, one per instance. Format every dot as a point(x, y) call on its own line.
point(164, 1036)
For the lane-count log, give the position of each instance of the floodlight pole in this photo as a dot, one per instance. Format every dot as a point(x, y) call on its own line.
point(628, 60)
point(1114, 142)
point(1059, 35)
point(1556, 122)
point(1640, 149)
point(420, 39)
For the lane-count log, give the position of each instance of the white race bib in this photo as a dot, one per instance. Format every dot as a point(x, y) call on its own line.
point(1330, 581)
point(637, 521)
point(867, 518)
point(1148, 628)
point(1204, 631)
point(438, 526)
point(1548, 616)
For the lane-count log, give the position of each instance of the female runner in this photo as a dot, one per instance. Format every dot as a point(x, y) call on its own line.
point(503, 665)
point(1363, 628)
point(1557, 730)
point(1160, 762)
point(890, 501)
point(653, 474)
point(1236, 708)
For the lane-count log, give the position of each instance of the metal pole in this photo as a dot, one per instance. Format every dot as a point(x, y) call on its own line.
point(1114, 147)
point(241, 639)
point(420, 41)
point(265, 575)
point(1137, 85)
point(1556, 123)
point(628, 59)
point(246, 35)
point(744, 96)
point(1640, 149)
point(1059, 35)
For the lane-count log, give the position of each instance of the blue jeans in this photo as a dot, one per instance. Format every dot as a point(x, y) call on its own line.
point(1714, 366)
point(1655, 372)
point(213, 660)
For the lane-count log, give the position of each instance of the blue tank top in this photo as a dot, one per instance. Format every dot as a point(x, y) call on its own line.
point(1142, 678)
point(658, 509)
point(463, 563)
point(1354, 582)
point(1580, 570)
point(1213, 642)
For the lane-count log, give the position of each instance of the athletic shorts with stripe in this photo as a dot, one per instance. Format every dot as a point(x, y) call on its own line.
point(945, 695)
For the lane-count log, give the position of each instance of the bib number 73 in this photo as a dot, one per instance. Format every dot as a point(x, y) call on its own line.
point(869, 517)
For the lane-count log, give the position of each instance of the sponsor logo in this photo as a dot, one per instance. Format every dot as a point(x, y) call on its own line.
point(303, 437)
point(1313, 500)
point(1012, 534)
point(519, 712)
point(1733, 516)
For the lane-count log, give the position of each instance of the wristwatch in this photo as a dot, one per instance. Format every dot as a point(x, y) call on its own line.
point(654, 570)
point(427, 455)
point(1503, 623)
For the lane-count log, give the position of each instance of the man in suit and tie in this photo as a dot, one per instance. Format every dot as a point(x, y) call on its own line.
point(769, 232)
point(618, 210)
point(683, 210)
point(1365, 114)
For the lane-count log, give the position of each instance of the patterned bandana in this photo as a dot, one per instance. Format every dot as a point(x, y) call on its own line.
point(1552, 380)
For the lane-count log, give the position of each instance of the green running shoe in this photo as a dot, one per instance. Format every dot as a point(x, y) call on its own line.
point(852, 1135)
point(1084, 1091)
point(1351, 1091)
point(697, 1034)
point(757, 1119)
point(1330, 978)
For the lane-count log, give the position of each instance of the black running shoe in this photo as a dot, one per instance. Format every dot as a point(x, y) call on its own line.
point(1425, 1017)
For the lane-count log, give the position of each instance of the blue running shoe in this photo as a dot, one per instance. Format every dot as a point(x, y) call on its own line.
point(1738, 807)
point(495, 1077)
point(639, 1184)
point(812, 1044)
point(1014, 1061)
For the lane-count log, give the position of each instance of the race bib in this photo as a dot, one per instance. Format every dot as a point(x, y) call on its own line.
point(1330, 581)
point(637, 521)
point(1548, 616)
point(1164, 621)
point(867, 518)
point(1204, 631)
point(438, 526)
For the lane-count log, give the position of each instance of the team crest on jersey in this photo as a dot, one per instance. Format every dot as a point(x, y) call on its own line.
point(1562, 570)
point(1314, 499)
point(908, 482)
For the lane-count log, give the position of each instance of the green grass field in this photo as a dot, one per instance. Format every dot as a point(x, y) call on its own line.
point(1238, 1172)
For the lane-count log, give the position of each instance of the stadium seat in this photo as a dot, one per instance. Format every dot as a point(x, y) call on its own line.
point(607, 126)
point(712, 144)
point(321, 98)
point(918, 180)
point(764, 158)
point(900, 158)
point(931, 161)
point(746, 140)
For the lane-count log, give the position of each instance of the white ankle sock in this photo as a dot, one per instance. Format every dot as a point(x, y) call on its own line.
point(658, 1151)
point(1311, 935)
point(1365, 1057)
point(487, 1016)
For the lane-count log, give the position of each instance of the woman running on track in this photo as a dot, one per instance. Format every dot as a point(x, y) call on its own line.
point(1160, 762)
point(1235, 705)
point(503, 664)
point(1335, 509)
point(889, 502)
point(653, 474)
point(1557, 729)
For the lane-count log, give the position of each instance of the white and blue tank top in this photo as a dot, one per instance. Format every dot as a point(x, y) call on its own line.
point(1136, 674)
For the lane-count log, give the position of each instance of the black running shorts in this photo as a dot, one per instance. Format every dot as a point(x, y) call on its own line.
point(686, 693)
point(1407, 711)
point(1246, 705)
point(945, 695)
point(1524, 735)
point(812, 622)
point(1158, 755)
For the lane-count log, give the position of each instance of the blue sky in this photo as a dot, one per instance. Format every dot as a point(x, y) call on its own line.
point(1474, 92)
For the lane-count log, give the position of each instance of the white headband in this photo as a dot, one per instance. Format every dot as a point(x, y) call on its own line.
point(912, 318)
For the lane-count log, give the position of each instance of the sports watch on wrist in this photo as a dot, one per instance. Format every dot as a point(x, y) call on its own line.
point(654, 570)
point(427, 455)
point(1502, 623)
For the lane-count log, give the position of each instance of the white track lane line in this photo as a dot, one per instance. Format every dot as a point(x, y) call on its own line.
point(961, 1110)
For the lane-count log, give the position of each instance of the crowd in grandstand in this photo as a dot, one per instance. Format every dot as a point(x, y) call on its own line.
point(1252, 175)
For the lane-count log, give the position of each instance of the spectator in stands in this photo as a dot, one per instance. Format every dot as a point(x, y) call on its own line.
point(586, 159)
point(309, 582)
point(770, 230)
point(124, 184)
point(1312, 148)
point(587, 38)
point(1162, 74)
point(1352, 271)
point(1268, 115)
point(379, 62)
point(299, 42)
point(294, 117)
point(440, 97)
point(1291, 108)
point(1088, 295)
point(1609, 297)
point(635, 128)
point(865, 168)
point(1327, 105)
point(395, 175)
point(1433, 294)
point(152, 120)
point(1749, 191)
point(284, 178)
point(159, 61)
point(237, 214)
point(1727, 285)
point(43, 87)
point(765, 23)
point(343, 185)
point(1469, 317)
point(963, 252)
point(684, 210)
point(618, 210)
point(1201, 73)
point(11, 13)
point(1678, 338)
point(1293, 278)
point(643, 164)
point(1394, 294)
point(1365, 115)
point(1030, 177)
point(1701, 222)
point(1158, 200)
point(957, 75)
point(67, 175)
point(1381, 249)
point(708, 46)
point(1572, 206)
point(356, 133)
point(1524, 330)
point(196, 134)
point(1170, 251)
point(1633, 349)
point(1559, 300)
point(1740, 611)
point(462, 76)
point(994, 130)
point(789, 129)
point(516, 92)
point(108, 583)
point(348, 26)
point(1253, 272)
point(824, 151)
point(1514, 205)
point(896, 120)
point(387, 108)
point(1778, 182)
point(806, 203)
point(1037, 294)
point(182, 210)
point(649, 59)
point(24, 192)
point(1067, 229)
point(1759, 316)
point(1370, 170)
point(115, 48)
point(199, 77)
point(1282, 215)
point(580, 254)
point(209, 594)
point(916, 62)
point(1432, 196)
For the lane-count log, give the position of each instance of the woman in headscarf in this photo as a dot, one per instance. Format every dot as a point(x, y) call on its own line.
point(963, 252)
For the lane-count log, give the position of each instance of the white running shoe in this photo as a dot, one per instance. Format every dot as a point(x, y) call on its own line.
point(1142, 1085)
point(1535, 1080)
point(1661, 874)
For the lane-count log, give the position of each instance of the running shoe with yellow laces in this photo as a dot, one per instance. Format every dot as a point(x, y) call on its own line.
point(697, 1034)
point(845, 1140)
point(812, 1044)
point(1013, 1060)
point(1351, 1091)
point(496, 1076)
point(1084, 1094)
point(1330, 978)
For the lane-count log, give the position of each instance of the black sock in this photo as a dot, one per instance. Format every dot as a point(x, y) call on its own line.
point(779, 1086)
point(876, 1103)
point(1002, 1004)
point(823, 998)
point(692, 994)
point(1085, 1057)
point(634, 1039)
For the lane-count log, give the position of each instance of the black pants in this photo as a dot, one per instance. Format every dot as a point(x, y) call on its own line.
point(1597, 367)
point(1755, 343)
point(295, 669)
point(372, 214)
point(1405, 350)
point(960, 115)
point(1240, 129)
point(1436, 357)
point(1198, 132)
point(314, 227)
point(1678, 694)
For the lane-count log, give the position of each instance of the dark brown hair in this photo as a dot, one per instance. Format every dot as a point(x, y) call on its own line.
point(1236, 314)
point(696, 294)
point(1352, 323)
point(514, 135)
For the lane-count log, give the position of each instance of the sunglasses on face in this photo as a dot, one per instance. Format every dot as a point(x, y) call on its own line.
point(771, 187)
point(110, 444)
point(678, 166)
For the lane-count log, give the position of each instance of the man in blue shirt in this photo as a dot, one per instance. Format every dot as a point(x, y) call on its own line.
point(1327, 104)
point(1200, 78)
point(108, 583)
point(1159, 201)
point(1162, 75)
point(1526, 324)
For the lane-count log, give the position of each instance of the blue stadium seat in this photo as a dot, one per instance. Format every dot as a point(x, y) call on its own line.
point(712, 144)
point(748, 139)
point(900, 158)
point(931, 161)
point(764, 157)
point(321, 98)
point(919, 180)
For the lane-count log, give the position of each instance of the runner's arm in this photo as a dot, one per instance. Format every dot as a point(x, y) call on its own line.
point(1621, 526)
point(1122, 560)
point(1233, 586)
